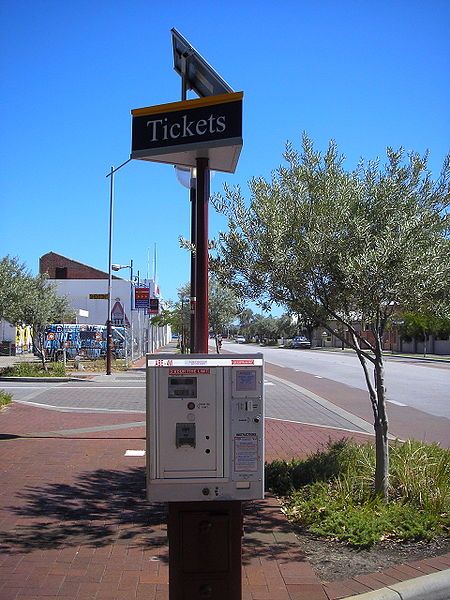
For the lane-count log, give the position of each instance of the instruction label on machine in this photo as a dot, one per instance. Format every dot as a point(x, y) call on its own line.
point(246, 452)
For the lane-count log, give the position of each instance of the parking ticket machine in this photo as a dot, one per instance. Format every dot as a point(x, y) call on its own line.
point(205, 427)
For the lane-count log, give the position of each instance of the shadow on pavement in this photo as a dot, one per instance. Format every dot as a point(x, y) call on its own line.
point(103, 507)
point(106, 507)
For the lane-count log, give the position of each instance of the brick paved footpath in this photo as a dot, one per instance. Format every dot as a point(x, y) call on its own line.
point(74, 523)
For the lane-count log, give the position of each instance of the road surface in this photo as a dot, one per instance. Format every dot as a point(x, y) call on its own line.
point(311, 387)
point(421, 385)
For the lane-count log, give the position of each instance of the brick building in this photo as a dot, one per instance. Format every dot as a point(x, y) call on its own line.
point(60, 267)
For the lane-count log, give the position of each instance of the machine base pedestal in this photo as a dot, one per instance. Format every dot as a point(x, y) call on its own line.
point(205, 550)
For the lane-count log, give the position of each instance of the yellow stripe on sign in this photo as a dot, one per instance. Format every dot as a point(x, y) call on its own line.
point(187, 104)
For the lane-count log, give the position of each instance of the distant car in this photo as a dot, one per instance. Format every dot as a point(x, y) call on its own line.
point(239, 339)
point(300, 341)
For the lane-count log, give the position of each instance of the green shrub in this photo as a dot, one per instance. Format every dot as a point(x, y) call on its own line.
point(34, 369)
point(331, 493)
point(356, 525)
point(282, 477)
point(278, 477)
point(420, 474)
point(407, 522)
point(4, 398)
point(325, 511)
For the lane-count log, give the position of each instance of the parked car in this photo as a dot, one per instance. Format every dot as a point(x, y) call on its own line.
point(239, 339)
point(300, 341)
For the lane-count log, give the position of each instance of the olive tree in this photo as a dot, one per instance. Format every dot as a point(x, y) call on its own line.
point(347, 247)
point(40, 307)
point(14, 284)
point(223, 307)
point(29, 300)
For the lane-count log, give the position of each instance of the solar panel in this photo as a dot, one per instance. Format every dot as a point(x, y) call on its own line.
point(195, 72)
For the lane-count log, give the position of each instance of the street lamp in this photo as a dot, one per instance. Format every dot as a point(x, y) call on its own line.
point(116, 267)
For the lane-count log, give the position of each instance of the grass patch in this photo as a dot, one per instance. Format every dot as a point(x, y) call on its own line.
point(99, 365)
point(57, 369)
point(4, 398)
point(34, 369)
point(331, 493)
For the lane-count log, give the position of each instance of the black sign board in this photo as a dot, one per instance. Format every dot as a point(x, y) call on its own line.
point(179, 132)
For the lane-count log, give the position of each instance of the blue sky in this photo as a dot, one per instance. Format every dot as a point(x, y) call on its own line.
point(368, 74)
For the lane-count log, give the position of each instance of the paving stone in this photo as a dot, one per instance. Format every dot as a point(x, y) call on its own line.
point(76, 525)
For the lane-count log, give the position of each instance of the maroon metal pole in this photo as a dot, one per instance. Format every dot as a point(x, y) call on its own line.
point(201, 275)
point(193, 299)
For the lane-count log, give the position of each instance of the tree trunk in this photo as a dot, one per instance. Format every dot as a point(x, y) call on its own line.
point(381, 430)
point(38, 340)
point(377, 395)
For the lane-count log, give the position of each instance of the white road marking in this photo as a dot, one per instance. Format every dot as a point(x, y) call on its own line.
point(22, 387)
point(135, 453)
point(397, 403)
point(317, 425)
point(73, 387)
point(80, 408)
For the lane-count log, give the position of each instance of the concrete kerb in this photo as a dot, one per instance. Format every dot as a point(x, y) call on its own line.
point(88, 376)
point(428, 587)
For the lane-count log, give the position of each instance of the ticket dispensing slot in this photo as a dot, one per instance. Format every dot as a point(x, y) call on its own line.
point(185, 434)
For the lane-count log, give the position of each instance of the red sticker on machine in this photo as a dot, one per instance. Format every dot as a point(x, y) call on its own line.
point(189, 371)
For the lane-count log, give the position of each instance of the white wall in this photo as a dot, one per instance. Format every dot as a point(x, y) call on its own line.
point(7, 332)
point(77, 291)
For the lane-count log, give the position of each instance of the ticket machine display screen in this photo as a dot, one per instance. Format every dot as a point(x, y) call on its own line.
point(182, 387)
point(246, 380)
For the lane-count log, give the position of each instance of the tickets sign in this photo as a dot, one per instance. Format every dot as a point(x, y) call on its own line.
point(174, 133)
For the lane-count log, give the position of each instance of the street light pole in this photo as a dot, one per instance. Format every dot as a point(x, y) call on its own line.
point(109, 341)
point(131, 310)
point(108, 320)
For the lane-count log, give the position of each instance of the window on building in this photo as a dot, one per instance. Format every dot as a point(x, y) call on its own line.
point(61, 273)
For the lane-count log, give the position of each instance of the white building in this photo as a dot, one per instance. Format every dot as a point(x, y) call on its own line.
point(86, 289)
